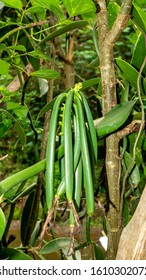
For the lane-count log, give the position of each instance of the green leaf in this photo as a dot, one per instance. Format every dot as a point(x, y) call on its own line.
point(18, 128)
point(89, 16)
point(134, 173)
point(53, 6)
point(4, 67)
point(39, 54)
point(94, 63)
point(140, 3)
point(46, 74)
point(20, 111)
point(25, 220)
point(115, 118)
point(64, 29)
point(18, 48)
point(139, 17)
point(139, 53)
point(56, 244)
point(2, 223)
point(4, 125)
point(12, 106)
point(113, 9)
point(70, 257)
point(17, 4)
point(13, 254)
point(130, 74)
point(90, 83)
point(35, 233)
point(21, 134)
point(22, 193)
point(97, 252)
point(46, 108)
point(126, 214)
point(36, 10)
point(79, 7)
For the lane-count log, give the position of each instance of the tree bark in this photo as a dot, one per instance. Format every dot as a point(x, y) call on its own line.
point(133, 238)
point(107, 39)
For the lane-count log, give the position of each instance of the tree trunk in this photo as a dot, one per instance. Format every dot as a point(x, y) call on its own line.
point(132, 245)
point(107, 39)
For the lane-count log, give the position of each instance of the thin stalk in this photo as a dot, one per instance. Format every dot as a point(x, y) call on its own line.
point(19, 28)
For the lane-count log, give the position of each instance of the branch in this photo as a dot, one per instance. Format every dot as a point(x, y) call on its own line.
point(30, 25)
point(102, 20)
point(130, 128)
point(120, 22)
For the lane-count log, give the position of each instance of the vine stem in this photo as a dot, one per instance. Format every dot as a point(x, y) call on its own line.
point(19, 28)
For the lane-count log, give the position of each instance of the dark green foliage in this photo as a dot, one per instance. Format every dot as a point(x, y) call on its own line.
point(28, 32)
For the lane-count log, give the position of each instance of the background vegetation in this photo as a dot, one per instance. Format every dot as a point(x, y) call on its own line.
point(48, 48)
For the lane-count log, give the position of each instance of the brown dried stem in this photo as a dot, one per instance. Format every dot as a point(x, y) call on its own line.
point(48, 220)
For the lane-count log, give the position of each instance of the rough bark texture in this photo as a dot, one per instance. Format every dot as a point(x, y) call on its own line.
point(106, 39)
point(132, 245)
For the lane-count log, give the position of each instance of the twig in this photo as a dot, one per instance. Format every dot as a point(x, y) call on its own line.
point(5, 156)
point(48, 221)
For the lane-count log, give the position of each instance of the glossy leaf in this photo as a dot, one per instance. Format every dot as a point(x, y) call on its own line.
point(139, 17)
point(46, 74)
point(21, 134)
point(53, 6)
point(17, 4)
point(43, 86)
point(79, 7)
point(19, 110)
point(17, 48)
point(23, 193)
point(113, 9)
point(26, 216)
point(125, 92)
point(130, 74)
point(39, 54)
point(114, 118)
point(56, 244)
point(126, 214)
point(62, 30)
point(2, 223)
point(4, 126)
point(36, 10)
point(77, 254)
point(134, 173)
point(35, 233)
point(89, 83)
point(139, 53)
point(13, 254)
point(4, 67)
point(97, 252)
